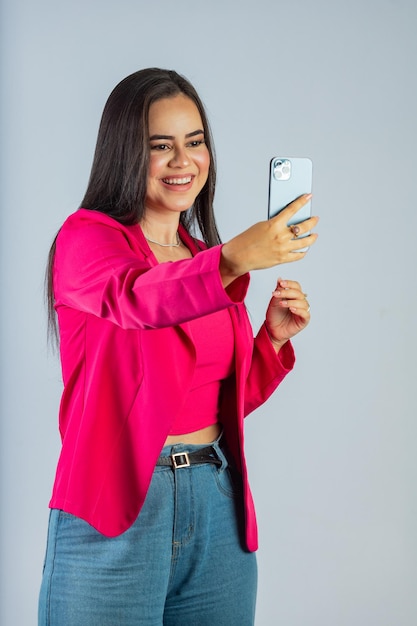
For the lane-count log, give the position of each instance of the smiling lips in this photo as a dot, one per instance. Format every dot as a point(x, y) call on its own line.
point(178, 181)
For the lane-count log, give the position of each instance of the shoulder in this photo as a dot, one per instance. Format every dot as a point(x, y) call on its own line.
point(85, 217)
point(86, 225)
point(87, 236)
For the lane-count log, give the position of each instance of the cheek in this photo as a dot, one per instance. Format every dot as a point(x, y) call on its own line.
point(204, 163)
point(154, 166)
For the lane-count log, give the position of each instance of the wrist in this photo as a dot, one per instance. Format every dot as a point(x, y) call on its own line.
point(277, 343)
point(229, 265)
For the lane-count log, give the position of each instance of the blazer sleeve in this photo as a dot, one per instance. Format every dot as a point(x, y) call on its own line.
point(97, 270)
point(267, 370)
point(260, 372)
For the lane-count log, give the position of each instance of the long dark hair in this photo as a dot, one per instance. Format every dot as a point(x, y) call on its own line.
point(118, 179)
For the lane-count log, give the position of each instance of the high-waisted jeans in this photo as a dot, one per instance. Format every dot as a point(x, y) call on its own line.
point(182, 563)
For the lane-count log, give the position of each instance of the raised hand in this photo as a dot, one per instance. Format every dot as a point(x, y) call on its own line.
point(288, 312)
point(268, 243)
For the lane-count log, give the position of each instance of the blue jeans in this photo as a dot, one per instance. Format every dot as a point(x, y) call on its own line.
point(182, 563)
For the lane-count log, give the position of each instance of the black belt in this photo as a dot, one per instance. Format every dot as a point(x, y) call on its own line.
point(185, 459)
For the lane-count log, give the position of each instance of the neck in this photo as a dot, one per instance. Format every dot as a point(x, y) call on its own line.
point(164, 233)
point(175, 244)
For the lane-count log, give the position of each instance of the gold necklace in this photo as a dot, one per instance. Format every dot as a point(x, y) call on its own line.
point(165, 245)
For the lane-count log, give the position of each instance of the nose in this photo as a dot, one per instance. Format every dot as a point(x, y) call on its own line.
point(180, 158)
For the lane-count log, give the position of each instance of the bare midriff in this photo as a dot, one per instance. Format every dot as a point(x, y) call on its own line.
point(204, 435)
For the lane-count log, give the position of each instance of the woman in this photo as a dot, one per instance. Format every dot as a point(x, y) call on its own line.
point(152, 519)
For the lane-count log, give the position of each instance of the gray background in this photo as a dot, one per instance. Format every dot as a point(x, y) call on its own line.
point(332, 454)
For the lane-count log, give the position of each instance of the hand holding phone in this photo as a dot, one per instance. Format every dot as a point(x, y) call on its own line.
point(290, 178)
point(270, 244)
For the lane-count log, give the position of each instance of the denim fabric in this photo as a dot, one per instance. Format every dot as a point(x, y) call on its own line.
point(182, 563)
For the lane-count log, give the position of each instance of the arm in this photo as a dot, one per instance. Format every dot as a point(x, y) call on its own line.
point(288, 313)
point(265, 372)
point(272, 355)
point(97, 271)
point(268, 370)
point(267, 244)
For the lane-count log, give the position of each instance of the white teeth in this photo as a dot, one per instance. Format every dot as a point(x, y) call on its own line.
point(177, 181)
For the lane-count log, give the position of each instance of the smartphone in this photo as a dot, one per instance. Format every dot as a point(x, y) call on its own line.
point(289, 178)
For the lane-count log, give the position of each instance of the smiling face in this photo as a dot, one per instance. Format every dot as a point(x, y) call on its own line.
point(179, 159)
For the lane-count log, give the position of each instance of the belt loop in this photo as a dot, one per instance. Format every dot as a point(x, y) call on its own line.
point(217, 447)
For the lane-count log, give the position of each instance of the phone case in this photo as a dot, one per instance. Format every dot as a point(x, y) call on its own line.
point(289, 178)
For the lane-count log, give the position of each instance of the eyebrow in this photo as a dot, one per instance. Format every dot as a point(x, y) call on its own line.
point(171, 137)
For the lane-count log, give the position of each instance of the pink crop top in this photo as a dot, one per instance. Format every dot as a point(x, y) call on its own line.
point(214, 342)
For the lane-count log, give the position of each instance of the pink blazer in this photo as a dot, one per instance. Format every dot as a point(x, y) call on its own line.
point(128, 360)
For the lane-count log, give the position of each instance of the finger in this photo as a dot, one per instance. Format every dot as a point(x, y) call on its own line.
point(291, 284)
point(289, 294)
point(294, 305)
point(295, 230)
point(295, 255)
point(300, 307)
point(292, 208)
point(299, 229)
point(300, 304)
point(296, 245)
point(301, 311)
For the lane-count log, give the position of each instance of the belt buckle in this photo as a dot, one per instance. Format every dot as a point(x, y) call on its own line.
point(180, 459)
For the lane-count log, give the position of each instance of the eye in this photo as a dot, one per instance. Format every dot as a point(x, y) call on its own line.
point(160, 147)
point(196, 143)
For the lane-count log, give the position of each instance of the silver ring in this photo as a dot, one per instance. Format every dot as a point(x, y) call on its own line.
point(308, 310)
